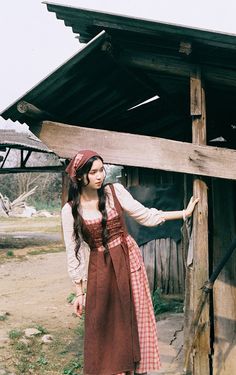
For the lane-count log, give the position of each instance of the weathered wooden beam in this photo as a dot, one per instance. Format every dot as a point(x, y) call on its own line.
point(139, 150)
point(224, 291)
point(46, 169)
point(32, 111)
point(176, 66)
point(196, 98)
point(200, 274)
point(153, 61)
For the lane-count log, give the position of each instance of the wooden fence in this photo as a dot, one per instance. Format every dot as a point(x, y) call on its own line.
point(164, 262)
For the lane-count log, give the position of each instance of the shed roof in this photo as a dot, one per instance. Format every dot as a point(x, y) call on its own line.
point(88, 23)
point(25, 141)
point(128, 61)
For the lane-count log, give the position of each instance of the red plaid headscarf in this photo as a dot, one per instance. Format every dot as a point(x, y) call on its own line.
point(78, 161)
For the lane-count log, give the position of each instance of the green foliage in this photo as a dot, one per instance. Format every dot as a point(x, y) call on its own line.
point(15, 334)
point(70, 298)
point(48, 192)
point(42, 361)
point(75, 367)
point(64, 355)
point(7, 183)
point(21, 346)
point(10, 253)
point(163, 303)
point(43, 330)
point(72, 367)
point(79, 330)
point(4, 316)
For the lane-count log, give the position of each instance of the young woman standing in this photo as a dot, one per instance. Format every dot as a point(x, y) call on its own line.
point(120, 327)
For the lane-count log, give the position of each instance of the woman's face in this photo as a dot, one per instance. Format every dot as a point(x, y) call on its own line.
point(96, 175)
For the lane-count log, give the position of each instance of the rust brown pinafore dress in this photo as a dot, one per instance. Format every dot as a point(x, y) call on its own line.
point(111, 344)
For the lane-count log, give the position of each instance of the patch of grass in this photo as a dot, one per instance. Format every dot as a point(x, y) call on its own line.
point(20, 253)
point(79, 330)
point(70, 298)
point(47, 249)
point(15, 334)
point(10, 253)
point(43, 330)
point(73, 368)
point(33, 224)
point(4, 316)
point(163, 303)
point(42, 361)
point(64, 355)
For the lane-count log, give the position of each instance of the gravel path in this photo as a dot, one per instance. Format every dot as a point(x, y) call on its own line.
point(34, 291)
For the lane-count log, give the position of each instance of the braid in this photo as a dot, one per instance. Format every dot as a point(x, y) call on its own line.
point(74, 194)
point(102, 208)
point(74, 198)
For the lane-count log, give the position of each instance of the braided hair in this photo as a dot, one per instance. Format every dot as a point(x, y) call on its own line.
point(74, 194)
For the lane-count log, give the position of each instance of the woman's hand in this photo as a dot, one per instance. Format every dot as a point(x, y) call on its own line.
point(78, 305)
point(190, 207)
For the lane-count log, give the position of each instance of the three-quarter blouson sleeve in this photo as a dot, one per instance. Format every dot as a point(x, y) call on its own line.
point(77, 269)
point(149, 217)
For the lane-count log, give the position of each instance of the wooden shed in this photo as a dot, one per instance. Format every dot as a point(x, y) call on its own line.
point(94, 101)
point(26, 144)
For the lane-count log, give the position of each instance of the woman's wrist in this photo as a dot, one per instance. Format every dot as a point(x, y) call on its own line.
point(78, 288)
point(184, 215)
point(80, 294)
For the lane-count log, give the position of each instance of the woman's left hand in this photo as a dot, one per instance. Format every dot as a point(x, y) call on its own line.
point(190, 207)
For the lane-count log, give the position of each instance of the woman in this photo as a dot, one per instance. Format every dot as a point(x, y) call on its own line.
point(120, 327)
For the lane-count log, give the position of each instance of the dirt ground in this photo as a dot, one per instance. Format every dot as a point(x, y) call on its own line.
point(34, 291)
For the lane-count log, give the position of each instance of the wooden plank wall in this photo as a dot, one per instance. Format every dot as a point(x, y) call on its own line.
point(164, 259)
point(224, 292)
point(164, 263)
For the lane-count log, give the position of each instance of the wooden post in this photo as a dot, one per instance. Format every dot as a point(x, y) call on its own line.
point(200, 363)
point(224, 292)
point(65, 185)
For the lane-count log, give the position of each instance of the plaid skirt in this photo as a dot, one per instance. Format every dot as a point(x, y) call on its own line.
point(150, 360)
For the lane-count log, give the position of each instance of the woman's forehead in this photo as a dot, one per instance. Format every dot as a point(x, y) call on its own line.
point(97, 164)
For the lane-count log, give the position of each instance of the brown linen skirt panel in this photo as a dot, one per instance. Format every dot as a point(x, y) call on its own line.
point(111, 337)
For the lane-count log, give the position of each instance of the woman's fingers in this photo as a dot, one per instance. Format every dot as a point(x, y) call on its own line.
point(191, 206)
point(78, 306)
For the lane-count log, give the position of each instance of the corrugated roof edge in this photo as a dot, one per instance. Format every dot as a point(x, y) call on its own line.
point(151, 25)
point(27, 140)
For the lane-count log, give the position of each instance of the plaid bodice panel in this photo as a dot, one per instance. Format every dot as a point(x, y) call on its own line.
point(92, 231)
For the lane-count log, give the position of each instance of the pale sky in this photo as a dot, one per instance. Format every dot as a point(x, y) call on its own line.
point(34, 42)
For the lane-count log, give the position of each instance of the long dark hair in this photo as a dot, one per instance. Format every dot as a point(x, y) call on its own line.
point(74, 193)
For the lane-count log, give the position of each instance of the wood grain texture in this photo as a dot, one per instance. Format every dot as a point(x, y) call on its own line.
point(159, 257)
point(224, 292)
point(196, 95)
point(142, 151)
point(200, 274)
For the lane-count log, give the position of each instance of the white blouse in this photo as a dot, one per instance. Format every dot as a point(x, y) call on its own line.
point(149, 217)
